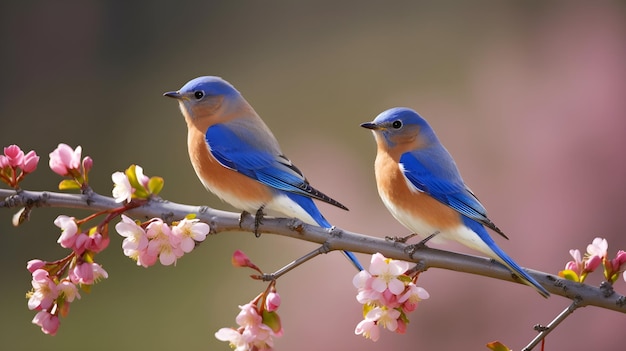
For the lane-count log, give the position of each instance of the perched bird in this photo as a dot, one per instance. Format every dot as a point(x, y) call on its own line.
point(237, 157)
point(421, 186)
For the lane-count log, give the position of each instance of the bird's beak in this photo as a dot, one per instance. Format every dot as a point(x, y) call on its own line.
point(370, 125)
point(174, 94)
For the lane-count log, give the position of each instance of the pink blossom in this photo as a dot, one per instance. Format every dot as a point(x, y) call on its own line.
point(69, 229)
point(135, 237)
point(30, 162)
point(141, 178)
point(389, 299)
point(190, 231)
point(87, 164)
point(162, 243)
point(68, 290)
point(14, 156)
point(272, 301)
point(81, 243)
point(401, 329)
point(577, 264)
point(368, 328)
point(366, 294)
point(598, 247)
point(234, 338)
point(97, 242)
point(44, 291)
point(385, 317)
point(135, 244)
point(49, 323)
point(412, 296)
point(255, 332)
point(240, 259)
point(387, 295)
point(386, 272)
point(252, 334)
point(592, 263)
point(64, 159)
point(618, 261)
point(146, 259)
point(87, 273)
point(34, 265)
point(122, 190)
point(4, 162)
point(248, 316)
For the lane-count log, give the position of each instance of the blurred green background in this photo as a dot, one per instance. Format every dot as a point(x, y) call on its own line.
point(527, 96)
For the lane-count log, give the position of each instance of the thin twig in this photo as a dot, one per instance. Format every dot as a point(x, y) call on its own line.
point(544, 331)
point(295, 263)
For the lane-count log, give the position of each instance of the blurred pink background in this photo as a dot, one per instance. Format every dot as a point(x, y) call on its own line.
point(527, 96)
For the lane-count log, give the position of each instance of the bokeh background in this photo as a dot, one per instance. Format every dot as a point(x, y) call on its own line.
point(528, 96)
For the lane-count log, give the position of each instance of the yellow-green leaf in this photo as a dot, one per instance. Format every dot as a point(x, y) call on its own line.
point(569, 275)
point(272, 320)
point(497, 346)
point(155, 185)
point(132, 177)
point(69, 184)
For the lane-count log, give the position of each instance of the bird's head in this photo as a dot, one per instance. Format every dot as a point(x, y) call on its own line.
point(402, 128)
point(204, 97)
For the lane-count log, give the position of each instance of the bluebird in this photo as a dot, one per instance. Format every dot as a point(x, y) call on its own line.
point(421, 186)
point(236, 156)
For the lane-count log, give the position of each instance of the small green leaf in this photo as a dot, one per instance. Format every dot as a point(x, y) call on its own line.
point(272, 320)
point(405, 278)
point(497, 346)
point(69, 184)
point(569, 275)
point(132, 177)
point(155, 185)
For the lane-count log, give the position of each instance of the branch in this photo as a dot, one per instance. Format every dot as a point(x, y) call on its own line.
point(544, 331)
point(333, 239)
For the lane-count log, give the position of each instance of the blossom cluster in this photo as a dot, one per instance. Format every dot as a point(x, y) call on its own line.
point(55, 284)
point(155, 239)
point(258, 320)
point(67, 162)
point(387, 295)
point(133, 184)
point(15, 164)
point(597, 253)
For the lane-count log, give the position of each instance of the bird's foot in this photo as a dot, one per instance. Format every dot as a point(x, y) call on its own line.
point(411, 249)
point(258, 220)
point(400, 239)
point(242, 216)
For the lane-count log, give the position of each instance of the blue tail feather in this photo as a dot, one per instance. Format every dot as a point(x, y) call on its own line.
point(309, 206)
point(504, 258)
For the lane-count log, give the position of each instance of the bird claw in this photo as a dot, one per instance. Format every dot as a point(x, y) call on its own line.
point(411, 249)
point(258, 220)
point(242, 216)
point(400, 239)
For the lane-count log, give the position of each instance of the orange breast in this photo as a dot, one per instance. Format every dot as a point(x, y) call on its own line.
point(235, 188)
point(411, 207)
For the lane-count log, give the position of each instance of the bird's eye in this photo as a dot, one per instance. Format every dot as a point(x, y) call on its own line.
point(396, 124)
point(198, 94)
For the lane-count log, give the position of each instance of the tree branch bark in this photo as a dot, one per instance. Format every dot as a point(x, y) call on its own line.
point(335, 239)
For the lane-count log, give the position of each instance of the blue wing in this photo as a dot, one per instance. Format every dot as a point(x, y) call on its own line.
point(433, 172)
point(235, 151)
